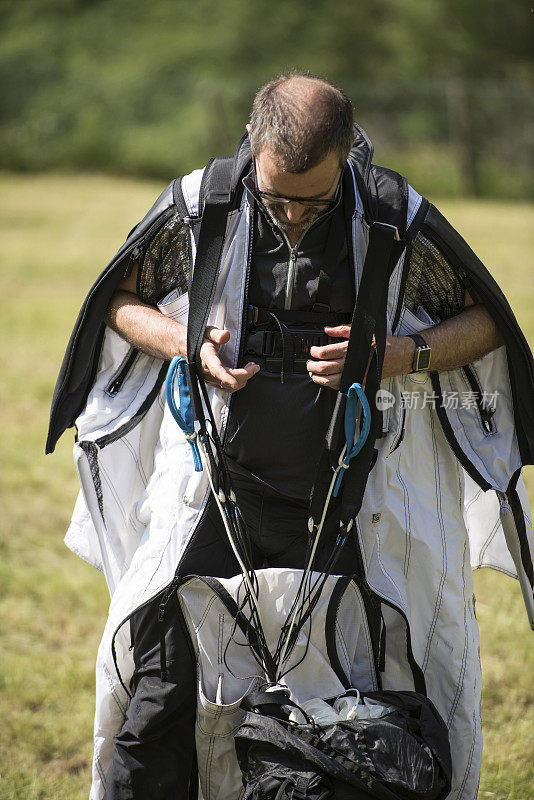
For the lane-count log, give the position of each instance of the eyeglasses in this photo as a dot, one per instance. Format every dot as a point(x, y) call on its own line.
point(324, 205)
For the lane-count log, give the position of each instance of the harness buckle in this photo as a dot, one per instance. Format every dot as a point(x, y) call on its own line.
point(269, 345)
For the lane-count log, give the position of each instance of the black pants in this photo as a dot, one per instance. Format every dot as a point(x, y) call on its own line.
point(154, 751)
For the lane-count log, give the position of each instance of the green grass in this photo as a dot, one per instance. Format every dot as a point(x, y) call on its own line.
point(56, 233)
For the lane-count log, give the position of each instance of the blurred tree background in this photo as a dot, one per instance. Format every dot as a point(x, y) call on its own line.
point(443, 87)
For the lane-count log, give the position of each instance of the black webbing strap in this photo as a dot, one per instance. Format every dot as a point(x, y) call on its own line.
point(210, 244)
point(273, 704)
point(370, 305)
point(368, 320)
point(216, 192)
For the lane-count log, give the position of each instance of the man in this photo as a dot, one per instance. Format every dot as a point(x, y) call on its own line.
point(289, 249)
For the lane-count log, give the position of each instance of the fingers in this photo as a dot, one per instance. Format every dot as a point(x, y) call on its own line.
point(238, 377)
point(328, 352)
point(218, 336)
point(332, 381)
point(215, 373)
point(324, 367)
point(338, 331)
point(326, 373)
point(230, 380)
point(327, 366)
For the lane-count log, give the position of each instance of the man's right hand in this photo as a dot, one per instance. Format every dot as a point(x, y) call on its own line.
point(147, 329)
point(214, 372)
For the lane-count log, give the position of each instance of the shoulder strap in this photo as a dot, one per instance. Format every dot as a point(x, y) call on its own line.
point(220, 192)
point(384, 194)
point(368, 320)
point(388, 197)
point(216, 192)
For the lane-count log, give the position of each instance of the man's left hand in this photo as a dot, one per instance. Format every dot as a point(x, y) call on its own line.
point(327, 362)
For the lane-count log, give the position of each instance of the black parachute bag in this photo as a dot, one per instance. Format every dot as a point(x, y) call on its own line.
point(404, 755)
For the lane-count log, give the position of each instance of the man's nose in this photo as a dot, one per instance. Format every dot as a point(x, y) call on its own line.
point(294, 211)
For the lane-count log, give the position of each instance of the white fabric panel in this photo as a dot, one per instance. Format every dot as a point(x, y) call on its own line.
point(495, 455)
point(191, 188)
point(81, 536)
point(416, 553)
point(414, 201)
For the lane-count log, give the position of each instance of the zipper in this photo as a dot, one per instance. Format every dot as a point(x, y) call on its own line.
point(374, 634)
point(451, 438)
point(293, 260)
point(291, 266)
point(290, 277)
point(410, 235)
point(245, 293)
point(188, 222)
point(115, 384)
point(109, 438)
point(375, 625)
point(399, 436)
point(485, 414)
point(166, 589)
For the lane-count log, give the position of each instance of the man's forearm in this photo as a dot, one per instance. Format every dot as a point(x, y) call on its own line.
point(145, 327)
point(454, 342)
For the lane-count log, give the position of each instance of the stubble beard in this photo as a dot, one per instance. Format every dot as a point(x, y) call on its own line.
point(295, 228)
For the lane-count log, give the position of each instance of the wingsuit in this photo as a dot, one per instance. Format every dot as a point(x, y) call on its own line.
point(444, 494)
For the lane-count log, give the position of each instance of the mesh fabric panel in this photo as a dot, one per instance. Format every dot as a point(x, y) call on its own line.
point(166, 263)
point(433, 283)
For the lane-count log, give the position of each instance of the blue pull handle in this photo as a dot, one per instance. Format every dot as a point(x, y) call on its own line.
point(185, 418)
point(355, 394)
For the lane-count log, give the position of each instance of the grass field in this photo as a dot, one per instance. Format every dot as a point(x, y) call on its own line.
point(55, 235)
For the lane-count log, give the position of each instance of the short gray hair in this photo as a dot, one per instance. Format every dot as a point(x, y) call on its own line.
point(301, 118)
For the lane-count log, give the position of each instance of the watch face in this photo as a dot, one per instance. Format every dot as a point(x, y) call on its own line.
point(423, 358)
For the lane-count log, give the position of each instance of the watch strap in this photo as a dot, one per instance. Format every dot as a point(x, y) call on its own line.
point(420, 346)
point(418, 339)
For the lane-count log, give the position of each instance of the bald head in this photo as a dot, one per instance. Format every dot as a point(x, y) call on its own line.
point(301, 119)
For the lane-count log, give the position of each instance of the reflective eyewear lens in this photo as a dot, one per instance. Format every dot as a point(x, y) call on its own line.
point(272, 198)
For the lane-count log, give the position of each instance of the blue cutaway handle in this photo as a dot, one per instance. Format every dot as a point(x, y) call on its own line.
point(185, 418)
point(355, 394)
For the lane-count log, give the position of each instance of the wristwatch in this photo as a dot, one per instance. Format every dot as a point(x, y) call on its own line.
point(421, 359)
